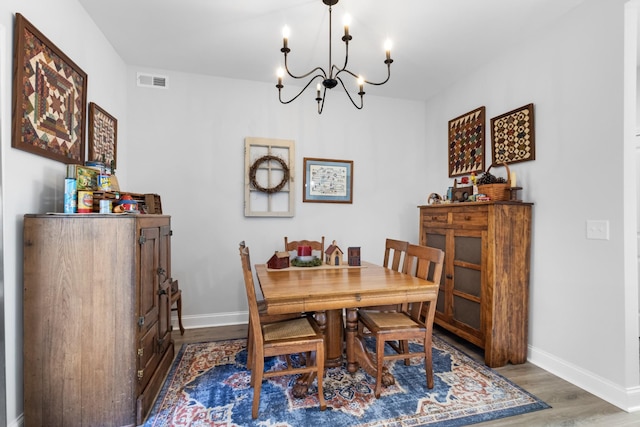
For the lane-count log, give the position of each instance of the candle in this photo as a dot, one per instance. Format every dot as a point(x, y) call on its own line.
point(387, 48)
point(346, 22)
point(285, 36)
point(304, 250)
point(318, 91)
point(280, 74)
point(512, 179)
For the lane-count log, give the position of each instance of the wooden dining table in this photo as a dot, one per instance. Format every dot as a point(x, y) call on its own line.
point(327, 290)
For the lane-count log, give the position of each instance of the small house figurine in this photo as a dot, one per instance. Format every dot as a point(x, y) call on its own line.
point(333, 254)
point(279, 260)
point(353, 255)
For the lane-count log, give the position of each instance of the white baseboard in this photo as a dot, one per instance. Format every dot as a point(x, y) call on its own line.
point(210, 320)
point(18, 422)
point(627, 399)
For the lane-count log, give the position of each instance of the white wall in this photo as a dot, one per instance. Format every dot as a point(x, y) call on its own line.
point(196, 164)
point(34, 184)
point(572, 72)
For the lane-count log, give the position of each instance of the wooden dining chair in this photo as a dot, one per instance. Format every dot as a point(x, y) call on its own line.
point(176, 298)
point(394, 252)
point(316, 245)
point(284, 338)
point(397, 328)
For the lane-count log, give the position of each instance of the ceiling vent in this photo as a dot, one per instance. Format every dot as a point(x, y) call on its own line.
point(150, 80)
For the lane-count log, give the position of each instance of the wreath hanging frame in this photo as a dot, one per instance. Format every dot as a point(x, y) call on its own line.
point(254, 169)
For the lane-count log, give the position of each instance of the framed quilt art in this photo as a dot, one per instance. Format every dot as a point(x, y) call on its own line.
point(513, 136)
point(466, 143)
point(49, 98)
point(103, 136)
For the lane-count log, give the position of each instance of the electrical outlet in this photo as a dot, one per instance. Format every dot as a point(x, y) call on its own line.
point(597, 229)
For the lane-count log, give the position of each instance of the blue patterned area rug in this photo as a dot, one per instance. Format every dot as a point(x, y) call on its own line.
point(208, 385)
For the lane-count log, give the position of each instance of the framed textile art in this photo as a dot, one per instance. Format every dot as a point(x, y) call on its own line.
point(103, 136)
point(328, 181)
point(49, 98)
point(513, 136)
point(466, 143)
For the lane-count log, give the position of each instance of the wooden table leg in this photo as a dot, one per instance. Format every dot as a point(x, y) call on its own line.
point(334, 339)
point(357, 355)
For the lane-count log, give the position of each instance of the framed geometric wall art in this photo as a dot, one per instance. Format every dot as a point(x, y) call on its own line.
point(513, 136)
point(466, 143)
point(49, 98)
point(103, 136)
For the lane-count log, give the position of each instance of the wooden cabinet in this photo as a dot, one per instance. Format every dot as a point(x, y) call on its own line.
point(484, 291)
point(97, 335)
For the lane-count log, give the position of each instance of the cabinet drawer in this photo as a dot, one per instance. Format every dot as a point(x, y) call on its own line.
point(472, 217)
point(435, 218)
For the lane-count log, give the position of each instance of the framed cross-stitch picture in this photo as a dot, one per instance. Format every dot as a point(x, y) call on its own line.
point(513, 136)
point(328, 181)
point(49, 98)
point(466, 143)
point(103, 136)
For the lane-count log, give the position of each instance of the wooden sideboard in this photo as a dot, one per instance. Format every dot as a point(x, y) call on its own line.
point(484, 291)
point(97, 331)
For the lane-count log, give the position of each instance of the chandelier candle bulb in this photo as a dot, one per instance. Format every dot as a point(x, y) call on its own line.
point(387, 48)
point(285, 37)
point(346, 21)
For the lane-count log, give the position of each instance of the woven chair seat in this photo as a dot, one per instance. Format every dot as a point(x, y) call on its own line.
point(388, 319)
point(295, 328)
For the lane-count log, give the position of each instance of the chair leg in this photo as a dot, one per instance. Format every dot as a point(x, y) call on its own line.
point(428, 361)
point(179, 305)
point(256, 376)
point(249, 347)
point(379, 365)
point(320, 365)
point(404, 347)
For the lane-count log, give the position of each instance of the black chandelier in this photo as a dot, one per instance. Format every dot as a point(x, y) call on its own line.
point(330, 79)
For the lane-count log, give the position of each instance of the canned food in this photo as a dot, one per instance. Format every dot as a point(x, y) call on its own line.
point(70, 196)
point(105, 206)
point(85, 201)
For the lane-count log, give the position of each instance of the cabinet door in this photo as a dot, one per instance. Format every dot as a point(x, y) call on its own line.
point(437, 238)
point(164, 292)
point(466, 252)
point(148, 305)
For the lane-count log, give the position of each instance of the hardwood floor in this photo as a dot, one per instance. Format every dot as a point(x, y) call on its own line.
point(571, 406)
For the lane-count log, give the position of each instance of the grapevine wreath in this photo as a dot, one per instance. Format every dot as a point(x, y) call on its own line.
point(254, 168)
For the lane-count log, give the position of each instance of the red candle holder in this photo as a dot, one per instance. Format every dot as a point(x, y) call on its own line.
point(304, 250)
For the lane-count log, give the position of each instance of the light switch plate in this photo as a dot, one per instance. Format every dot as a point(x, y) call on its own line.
point(597, 229)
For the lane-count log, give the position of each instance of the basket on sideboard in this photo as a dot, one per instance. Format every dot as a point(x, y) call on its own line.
point(496, 191)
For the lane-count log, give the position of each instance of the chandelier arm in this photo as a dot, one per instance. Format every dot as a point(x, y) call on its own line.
point(299, 93)
point(349, 95)
point(320, 69)
point(355, 76)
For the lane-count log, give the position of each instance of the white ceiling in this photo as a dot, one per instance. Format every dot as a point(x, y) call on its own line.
point(435, 42)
